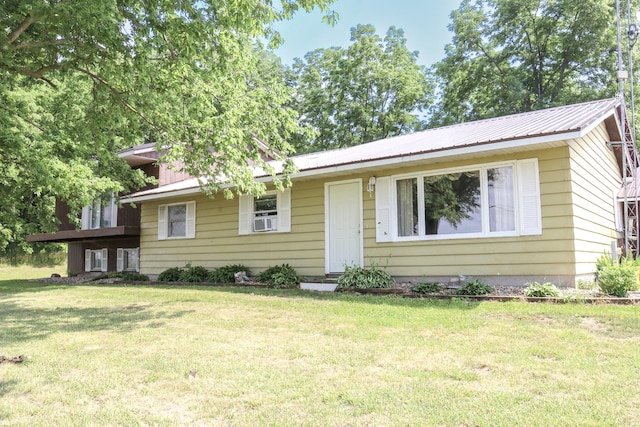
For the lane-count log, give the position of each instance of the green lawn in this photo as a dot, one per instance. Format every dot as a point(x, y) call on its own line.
point(26, 272)
point(118, 355)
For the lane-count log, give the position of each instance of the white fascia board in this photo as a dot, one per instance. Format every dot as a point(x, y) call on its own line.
point(162, 195)
point(601, 119)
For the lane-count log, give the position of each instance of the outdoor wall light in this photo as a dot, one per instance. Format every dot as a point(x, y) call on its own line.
point(371, 185)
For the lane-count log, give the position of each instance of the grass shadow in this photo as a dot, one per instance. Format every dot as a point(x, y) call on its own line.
point(21, 322)
point(10, 288)
point(6, 386)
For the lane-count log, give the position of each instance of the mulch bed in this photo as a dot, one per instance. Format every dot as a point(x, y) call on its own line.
point(499, 293)
point(510, 293)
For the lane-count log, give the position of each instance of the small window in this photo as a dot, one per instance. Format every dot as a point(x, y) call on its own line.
point(265, 213)
point(270, 212)
point(128, 259)
point(177, 221)
point(96, 260)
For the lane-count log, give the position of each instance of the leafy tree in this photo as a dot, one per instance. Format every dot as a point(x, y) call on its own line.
point(372, 89)
point(79, 80)
point(510, 56)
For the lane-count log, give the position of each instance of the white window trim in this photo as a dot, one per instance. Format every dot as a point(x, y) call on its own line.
point(527, 200)
point(104, 267)
point(247, 214)
point(618, 212)
point(121, 257)
point(163, 221)
point(87, 213)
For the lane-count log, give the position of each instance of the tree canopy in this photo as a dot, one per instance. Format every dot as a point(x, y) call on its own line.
point(372, 89)
point(510, 56)
point(80, 80)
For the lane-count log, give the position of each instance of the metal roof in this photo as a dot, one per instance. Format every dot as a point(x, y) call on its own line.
point(575, 118)
point(551, 125)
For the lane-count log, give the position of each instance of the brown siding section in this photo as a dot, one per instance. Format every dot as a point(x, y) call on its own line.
point(75, 260)
point(129, 216)
point(150, 170)
point(168, 176)
point(62, 215)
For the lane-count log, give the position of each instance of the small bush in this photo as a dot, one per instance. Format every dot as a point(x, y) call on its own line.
point(279, 276)
point(546, 289)
point(131, 276)
point(427, 288)
point(227, 273)
point(194, 274)
point(617, 280)
point(475, 287)
point(365, 278)
point(170, 275)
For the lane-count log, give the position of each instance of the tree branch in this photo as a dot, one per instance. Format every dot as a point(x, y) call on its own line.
point(28, 20)
point(27, 45)
point(32, 123)
point(38, 74)
point(117, 94)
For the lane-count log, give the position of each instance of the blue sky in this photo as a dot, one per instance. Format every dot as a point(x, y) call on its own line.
point(424, 23)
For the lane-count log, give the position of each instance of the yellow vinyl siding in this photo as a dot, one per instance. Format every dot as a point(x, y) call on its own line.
point(217, 242)
point(595, 176)
point(577, 179)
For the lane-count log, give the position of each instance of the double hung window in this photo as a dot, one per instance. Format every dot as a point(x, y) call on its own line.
point(270, 212)
point(177, 221)
point(128, 259)
point(96, 260)
point(265, 213)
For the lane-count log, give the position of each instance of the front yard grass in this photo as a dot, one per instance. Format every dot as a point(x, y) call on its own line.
point(161, 355)
point(25, 272)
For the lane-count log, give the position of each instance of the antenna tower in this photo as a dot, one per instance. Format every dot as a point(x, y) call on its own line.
point(629, 155)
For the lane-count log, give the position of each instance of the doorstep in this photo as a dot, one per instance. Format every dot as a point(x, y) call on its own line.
point(320, 287)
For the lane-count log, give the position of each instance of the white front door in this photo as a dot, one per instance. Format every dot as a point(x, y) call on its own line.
point(343, 212)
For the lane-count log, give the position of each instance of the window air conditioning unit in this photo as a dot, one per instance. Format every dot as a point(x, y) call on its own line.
point(264, 223)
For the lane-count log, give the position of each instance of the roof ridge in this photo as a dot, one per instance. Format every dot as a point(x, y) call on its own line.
point(524, 113)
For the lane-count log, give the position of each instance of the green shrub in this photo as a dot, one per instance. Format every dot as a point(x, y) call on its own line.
point(194, 274)
point(475, 287)
point(279, 276)
point(131, 276)
point(170, 275)
point(427, 288)
point(604, 261)
point(227, 273)
point(365, 278)
point(617, 280)
point(546, 289)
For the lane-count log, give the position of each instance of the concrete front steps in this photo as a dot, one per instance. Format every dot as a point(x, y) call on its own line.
point(328, 284)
